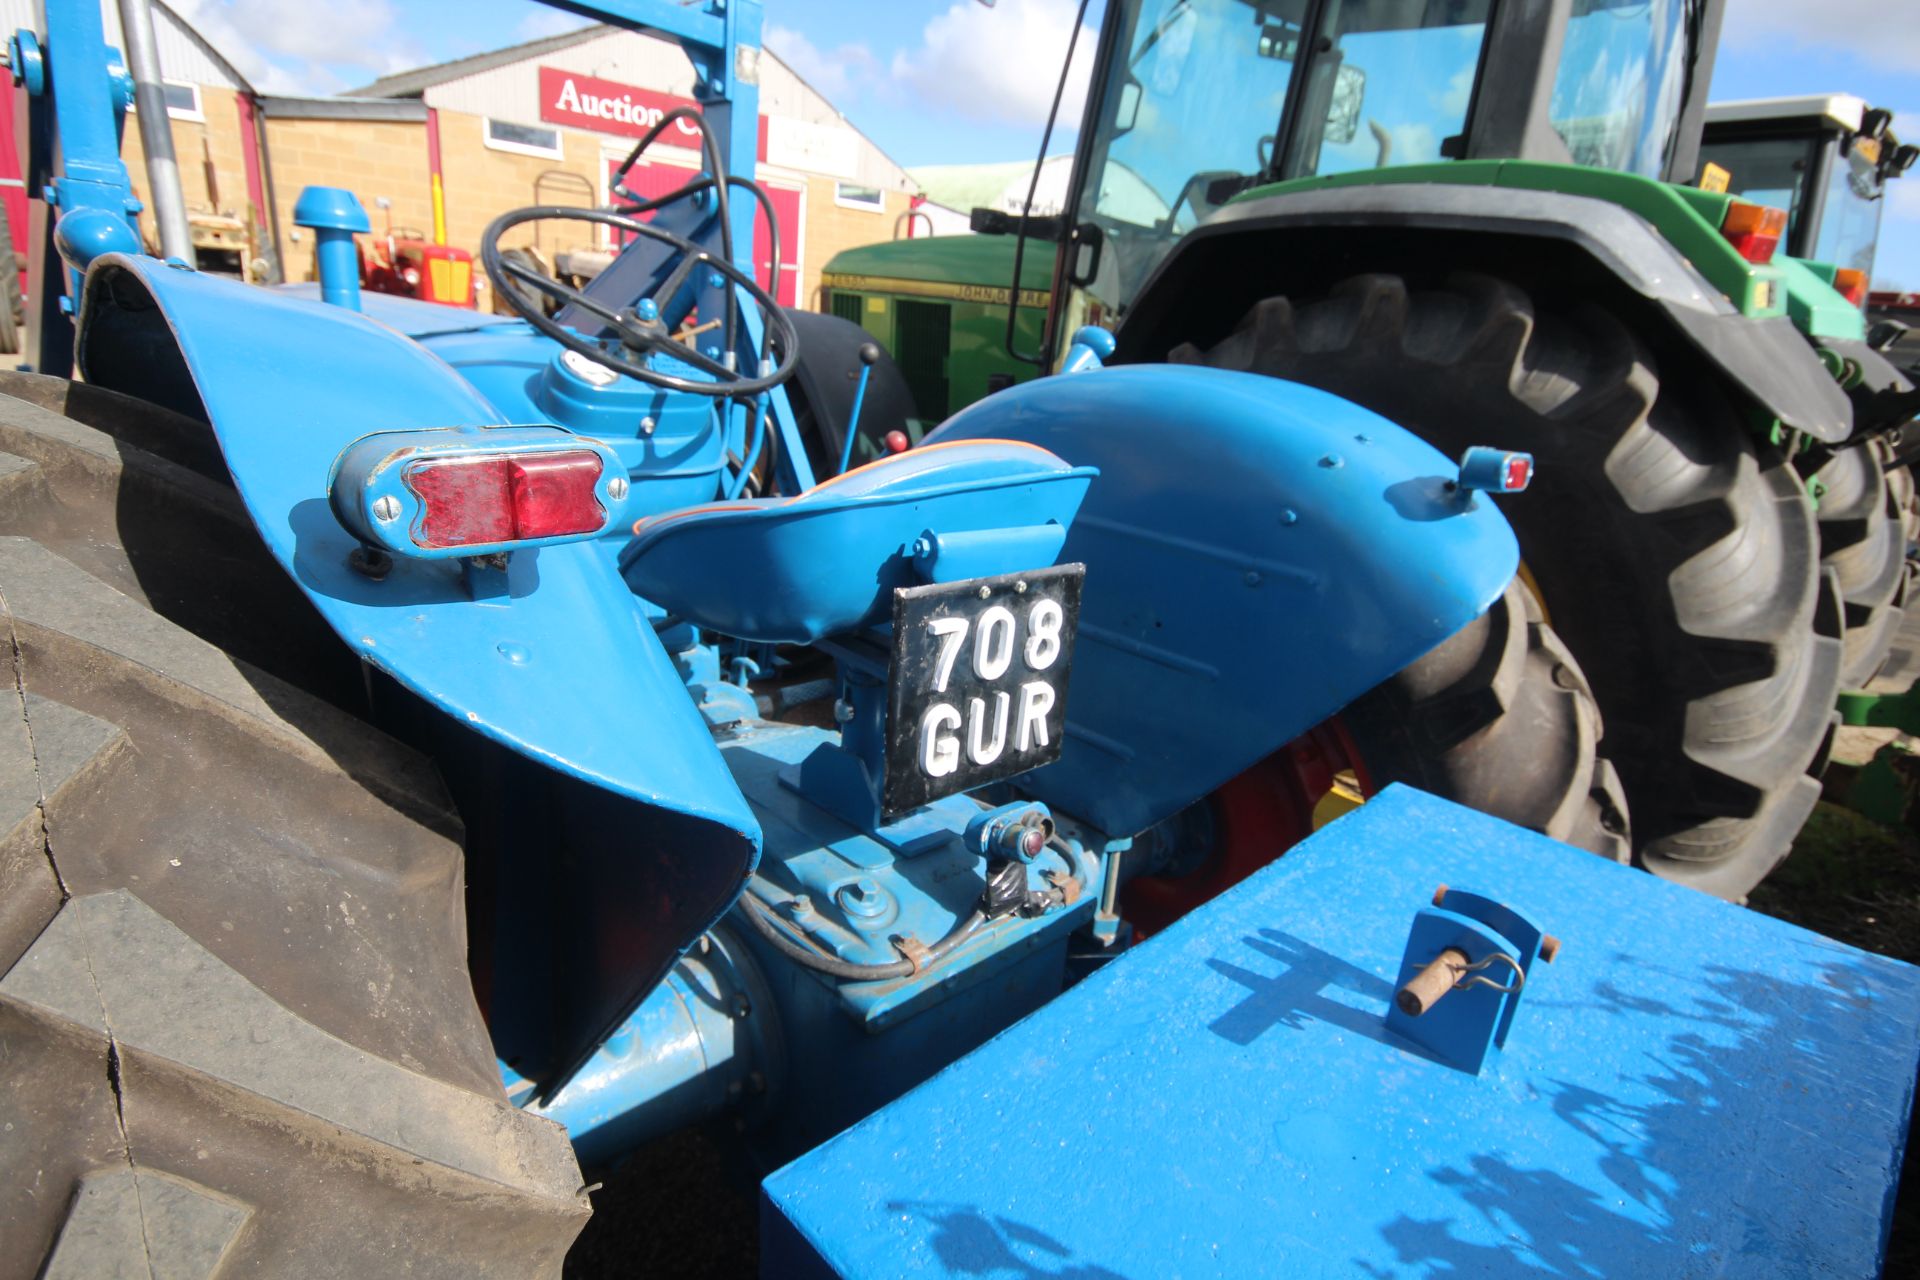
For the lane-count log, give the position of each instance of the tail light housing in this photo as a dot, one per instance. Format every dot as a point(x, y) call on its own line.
point(1852, 284)
point(476, 491)
point(1754, 230)
point(1488, 470)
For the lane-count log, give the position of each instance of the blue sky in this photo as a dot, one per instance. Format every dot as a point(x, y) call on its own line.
point(949, 81)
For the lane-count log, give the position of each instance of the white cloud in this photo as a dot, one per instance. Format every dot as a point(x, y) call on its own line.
point(1878, 32)
point(839, 73)
point(295, 46)
point(1413, 143)
point(1000, 64)
point(1453, 103)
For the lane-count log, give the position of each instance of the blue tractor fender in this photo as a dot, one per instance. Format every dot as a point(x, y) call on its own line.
point(570, 675)
point(1259, 554)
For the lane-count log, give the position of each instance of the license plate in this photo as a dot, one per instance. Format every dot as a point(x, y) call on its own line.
point(978, 686)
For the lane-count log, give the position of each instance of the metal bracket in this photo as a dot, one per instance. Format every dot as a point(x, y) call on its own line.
point(1465, 968)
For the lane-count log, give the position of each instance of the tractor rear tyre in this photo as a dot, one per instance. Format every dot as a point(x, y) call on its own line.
point(1863, 540)
point(1497, 718)
point(1674, 553)
point(238, 1029)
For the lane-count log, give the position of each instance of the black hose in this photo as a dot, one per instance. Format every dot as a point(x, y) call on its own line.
point(710, 150)
point(710, 180)
point(700, 184)
point(760, 916)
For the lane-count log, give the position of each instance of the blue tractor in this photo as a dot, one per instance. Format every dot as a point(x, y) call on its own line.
point(454, 750)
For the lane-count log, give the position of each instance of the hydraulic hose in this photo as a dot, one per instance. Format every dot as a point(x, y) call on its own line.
point(760, 916)
point(758, 192)
point(710, 152)
point(702, 183)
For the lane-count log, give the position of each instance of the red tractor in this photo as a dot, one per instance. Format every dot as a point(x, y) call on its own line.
point(408, 264)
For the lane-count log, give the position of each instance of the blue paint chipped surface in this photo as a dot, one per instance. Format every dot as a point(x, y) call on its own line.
point(1691, 1089)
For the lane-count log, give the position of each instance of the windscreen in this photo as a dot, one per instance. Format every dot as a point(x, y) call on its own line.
point(1776, 171)
point(1623, 78)
point(1850, 216)
point(1196, 108)
point(1769, 171)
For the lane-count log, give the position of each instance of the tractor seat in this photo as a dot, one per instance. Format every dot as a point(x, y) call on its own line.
point(793, 570)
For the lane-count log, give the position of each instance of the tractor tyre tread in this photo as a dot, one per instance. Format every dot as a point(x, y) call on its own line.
point(1863, 540)
point(1676, 553)
point(140, 498)
point(234, 1001)
point(1499, 718)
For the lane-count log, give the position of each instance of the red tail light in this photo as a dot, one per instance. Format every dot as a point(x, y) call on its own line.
point(1852, 284)
point(1754, 230)
point(485, 499)
point(1519, 472)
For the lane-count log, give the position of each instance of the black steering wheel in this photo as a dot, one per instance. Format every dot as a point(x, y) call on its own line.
point(638, 327)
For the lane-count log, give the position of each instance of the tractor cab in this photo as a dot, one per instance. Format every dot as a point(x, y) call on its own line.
point(1825, 159)
point(1197, 101)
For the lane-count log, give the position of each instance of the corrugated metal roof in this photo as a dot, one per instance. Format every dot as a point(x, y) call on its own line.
point(185, 54)
point(408, 84)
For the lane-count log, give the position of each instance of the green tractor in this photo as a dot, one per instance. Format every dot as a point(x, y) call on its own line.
point(1827, 159)
point(1477, 218)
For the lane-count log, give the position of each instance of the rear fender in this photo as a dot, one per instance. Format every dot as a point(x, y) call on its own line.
point(1298, 241)
point(1258, 555)
point(561, 666)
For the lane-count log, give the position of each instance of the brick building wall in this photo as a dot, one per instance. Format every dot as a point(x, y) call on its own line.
point(483, 182)
point(374, 159)
point(362, 147)
point(218, 136)
point(832, 226)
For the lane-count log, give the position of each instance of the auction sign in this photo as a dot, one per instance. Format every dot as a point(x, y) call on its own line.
point(607, 106)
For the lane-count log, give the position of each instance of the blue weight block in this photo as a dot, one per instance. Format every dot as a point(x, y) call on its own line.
point(1690, 1088)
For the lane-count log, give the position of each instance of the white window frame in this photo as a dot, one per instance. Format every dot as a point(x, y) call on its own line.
point(196, 113)
point(558, 151)
point(876, 205)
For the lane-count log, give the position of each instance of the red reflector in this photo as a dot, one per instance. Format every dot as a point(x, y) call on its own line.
point(482, 499)
point(1519, 472)
point(463, 502)
point(1754, 230)
point(1852, 284)
point(553, 495)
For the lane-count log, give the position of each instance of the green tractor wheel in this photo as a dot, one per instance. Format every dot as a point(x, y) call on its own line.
point(1676, 555)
